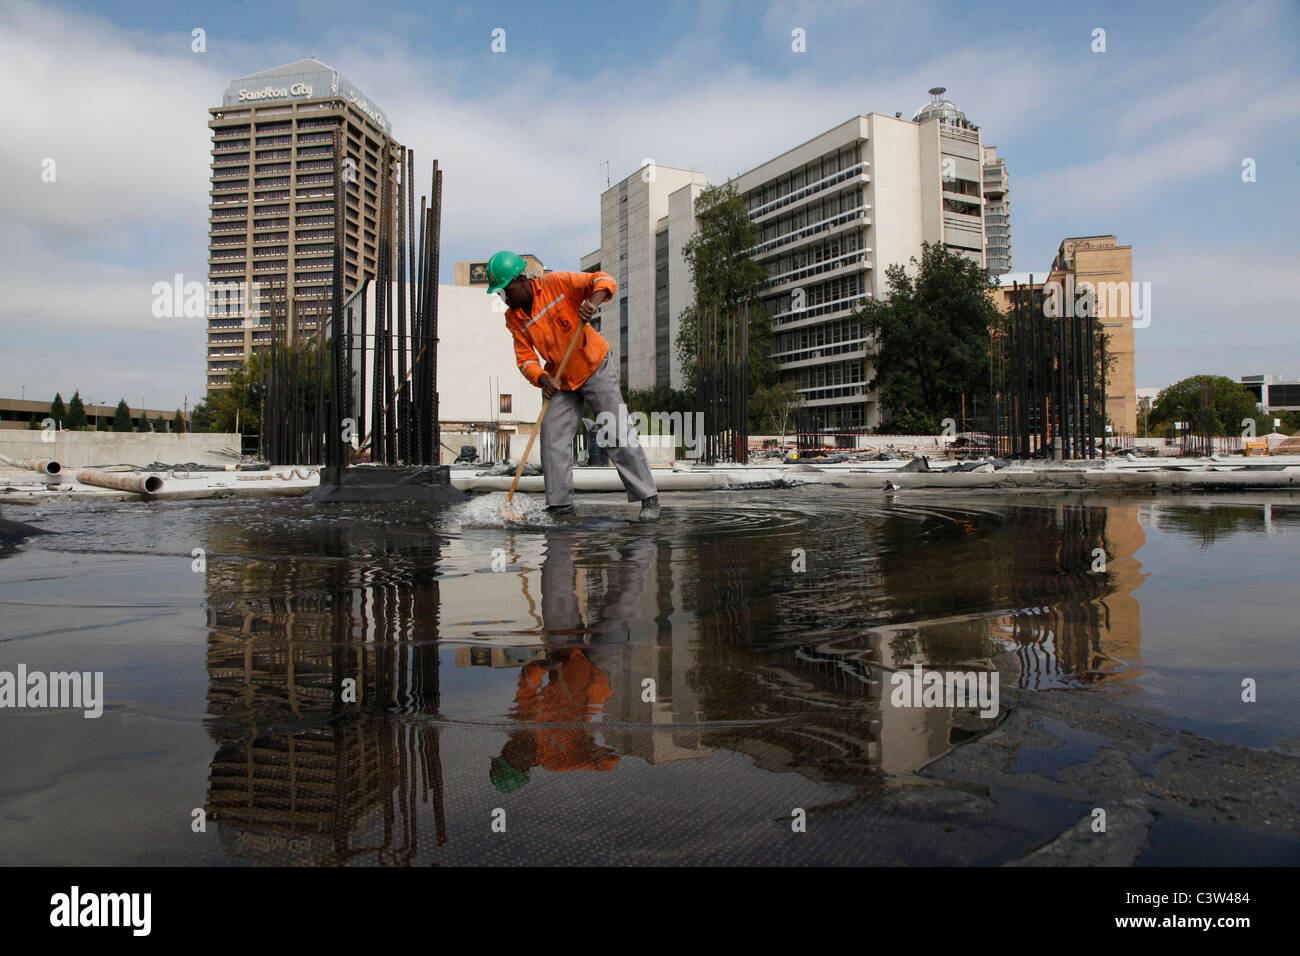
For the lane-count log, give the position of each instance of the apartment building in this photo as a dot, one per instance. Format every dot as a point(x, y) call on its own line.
point(271, 219)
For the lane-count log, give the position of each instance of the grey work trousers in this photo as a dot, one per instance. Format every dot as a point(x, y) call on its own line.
point(561, 424)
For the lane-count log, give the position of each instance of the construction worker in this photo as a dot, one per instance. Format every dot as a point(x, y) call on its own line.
point(543, 314)
point(565, 690)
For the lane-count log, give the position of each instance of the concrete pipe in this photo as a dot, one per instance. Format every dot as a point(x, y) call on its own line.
point(46, 466)
point(143, 484)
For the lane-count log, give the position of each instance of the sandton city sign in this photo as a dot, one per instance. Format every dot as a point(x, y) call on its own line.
point(275, 93)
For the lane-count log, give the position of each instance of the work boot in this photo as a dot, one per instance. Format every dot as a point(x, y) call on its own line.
point(559, 509)
point(650, 508)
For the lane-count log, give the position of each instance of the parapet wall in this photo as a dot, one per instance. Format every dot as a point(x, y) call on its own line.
point(77, 449)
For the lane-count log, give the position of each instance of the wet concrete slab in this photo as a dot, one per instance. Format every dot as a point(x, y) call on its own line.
point(402, 685)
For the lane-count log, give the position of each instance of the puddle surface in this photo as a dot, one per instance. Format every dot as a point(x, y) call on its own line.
point(369, 684)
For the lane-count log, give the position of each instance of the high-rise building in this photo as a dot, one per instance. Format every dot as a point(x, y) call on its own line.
point(997, 213)
point(644, 222)
point(833, 214)
point(271, 222)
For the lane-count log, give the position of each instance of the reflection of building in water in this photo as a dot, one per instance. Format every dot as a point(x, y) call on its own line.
point(307, 657)
point(1067, 573)
point(1091, 629)
point(810, 707)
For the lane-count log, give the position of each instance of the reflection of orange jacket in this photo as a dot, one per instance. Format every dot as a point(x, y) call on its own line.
point(549, 329)
point(574, 692)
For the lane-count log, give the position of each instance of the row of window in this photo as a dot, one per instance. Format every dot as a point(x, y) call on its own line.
point(845, 292)
point(835, 332)
point(811, 213)
point(851, 372)
point(819, 169)
point(816, 258)
point(825, 225)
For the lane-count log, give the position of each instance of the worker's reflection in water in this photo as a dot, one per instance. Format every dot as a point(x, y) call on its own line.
point(571, 683)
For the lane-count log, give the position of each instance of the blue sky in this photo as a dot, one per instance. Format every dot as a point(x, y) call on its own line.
point(1144, 141)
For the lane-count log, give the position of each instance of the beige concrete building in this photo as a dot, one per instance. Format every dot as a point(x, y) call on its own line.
point(1102, 262)
point(271, 222)
point(644, 222)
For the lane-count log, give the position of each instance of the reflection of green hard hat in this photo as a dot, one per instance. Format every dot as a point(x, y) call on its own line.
point(502, 268)
point(505, 777)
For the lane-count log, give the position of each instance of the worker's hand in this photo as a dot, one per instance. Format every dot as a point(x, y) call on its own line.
point(547, 384)
point(589, 307)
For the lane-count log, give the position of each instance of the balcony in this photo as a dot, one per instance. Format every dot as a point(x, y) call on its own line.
point(829, 269)
point(843, 177)
point(835, 308)
point(844, 220)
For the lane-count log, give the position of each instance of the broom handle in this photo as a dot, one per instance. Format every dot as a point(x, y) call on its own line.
point(545, 404)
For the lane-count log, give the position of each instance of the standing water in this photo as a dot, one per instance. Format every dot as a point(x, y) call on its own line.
point(367, 683)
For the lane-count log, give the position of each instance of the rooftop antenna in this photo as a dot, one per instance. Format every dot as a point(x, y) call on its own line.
point(605, 163)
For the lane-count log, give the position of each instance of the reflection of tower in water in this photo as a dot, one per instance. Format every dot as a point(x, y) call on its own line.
point(1053, 585)
point(1091, 630)
point(308, 661)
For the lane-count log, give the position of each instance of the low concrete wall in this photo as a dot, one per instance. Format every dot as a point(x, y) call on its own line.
point(76, 449)
point(606, 479)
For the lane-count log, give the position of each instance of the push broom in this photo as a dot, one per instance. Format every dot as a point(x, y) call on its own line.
point(507, 512)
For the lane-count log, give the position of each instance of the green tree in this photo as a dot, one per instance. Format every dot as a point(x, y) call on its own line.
point(1264, 422)
point(931, 339)
point(121, 417)
point(200, 417)
point(57, 411)
point(143, 424)
point(178, 421)
point(725, 277)
point(158, 425)
point(774, 407)
point(1210, 404)
point(237, 396)
point(33, 424)
point(76, 417)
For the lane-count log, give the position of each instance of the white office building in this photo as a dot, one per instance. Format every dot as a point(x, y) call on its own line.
point(644, 222)
point(834, 213)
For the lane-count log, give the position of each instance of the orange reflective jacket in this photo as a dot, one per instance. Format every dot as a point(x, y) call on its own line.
point(571, 694)
point(549, 329)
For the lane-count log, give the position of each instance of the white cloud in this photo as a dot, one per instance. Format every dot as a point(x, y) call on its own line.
point(123, 113)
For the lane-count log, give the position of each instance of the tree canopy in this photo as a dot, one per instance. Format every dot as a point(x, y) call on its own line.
point(1209, 404)
point(931, 339)
point(725, 277)
point(76, 412)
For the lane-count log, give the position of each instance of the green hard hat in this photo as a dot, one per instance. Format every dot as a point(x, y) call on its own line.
point(502, 269)
point(505, 777)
